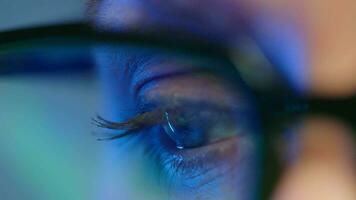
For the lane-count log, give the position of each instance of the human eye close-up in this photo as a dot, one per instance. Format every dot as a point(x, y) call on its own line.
point(192, 117)
point(176, 100)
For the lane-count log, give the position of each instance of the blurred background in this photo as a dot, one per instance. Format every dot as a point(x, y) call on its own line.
point(20, 13)
point(46, 147)
point(46, 150)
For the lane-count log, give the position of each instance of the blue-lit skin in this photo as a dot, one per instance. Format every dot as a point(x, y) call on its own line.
point(223, 169)
point(282, 40)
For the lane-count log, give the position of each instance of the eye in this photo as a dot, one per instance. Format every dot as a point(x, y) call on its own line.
point(197, 125)
point(194, 120)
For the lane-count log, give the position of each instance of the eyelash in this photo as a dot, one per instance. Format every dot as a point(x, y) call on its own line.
point(131, 126)
point(164, 158)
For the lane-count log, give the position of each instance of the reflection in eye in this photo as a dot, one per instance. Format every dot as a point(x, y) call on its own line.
point(195, 122)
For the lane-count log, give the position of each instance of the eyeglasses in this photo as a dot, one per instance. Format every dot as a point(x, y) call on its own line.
point(68, 47)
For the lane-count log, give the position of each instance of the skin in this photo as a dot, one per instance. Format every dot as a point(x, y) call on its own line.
point(325, 166)
point(318, 38)
point(329, 30)
point(325, 29)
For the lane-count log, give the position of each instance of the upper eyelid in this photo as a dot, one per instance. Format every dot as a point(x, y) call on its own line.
point(163, 75)
point(163, 65)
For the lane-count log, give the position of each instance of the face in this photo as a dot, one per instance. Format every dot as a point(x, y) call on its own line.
point(186, 126)
point(228, 99)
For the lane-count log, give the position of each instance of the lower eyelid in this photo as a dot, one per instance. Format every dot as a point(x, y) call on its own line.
point(197, 168)
point(179, 161)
